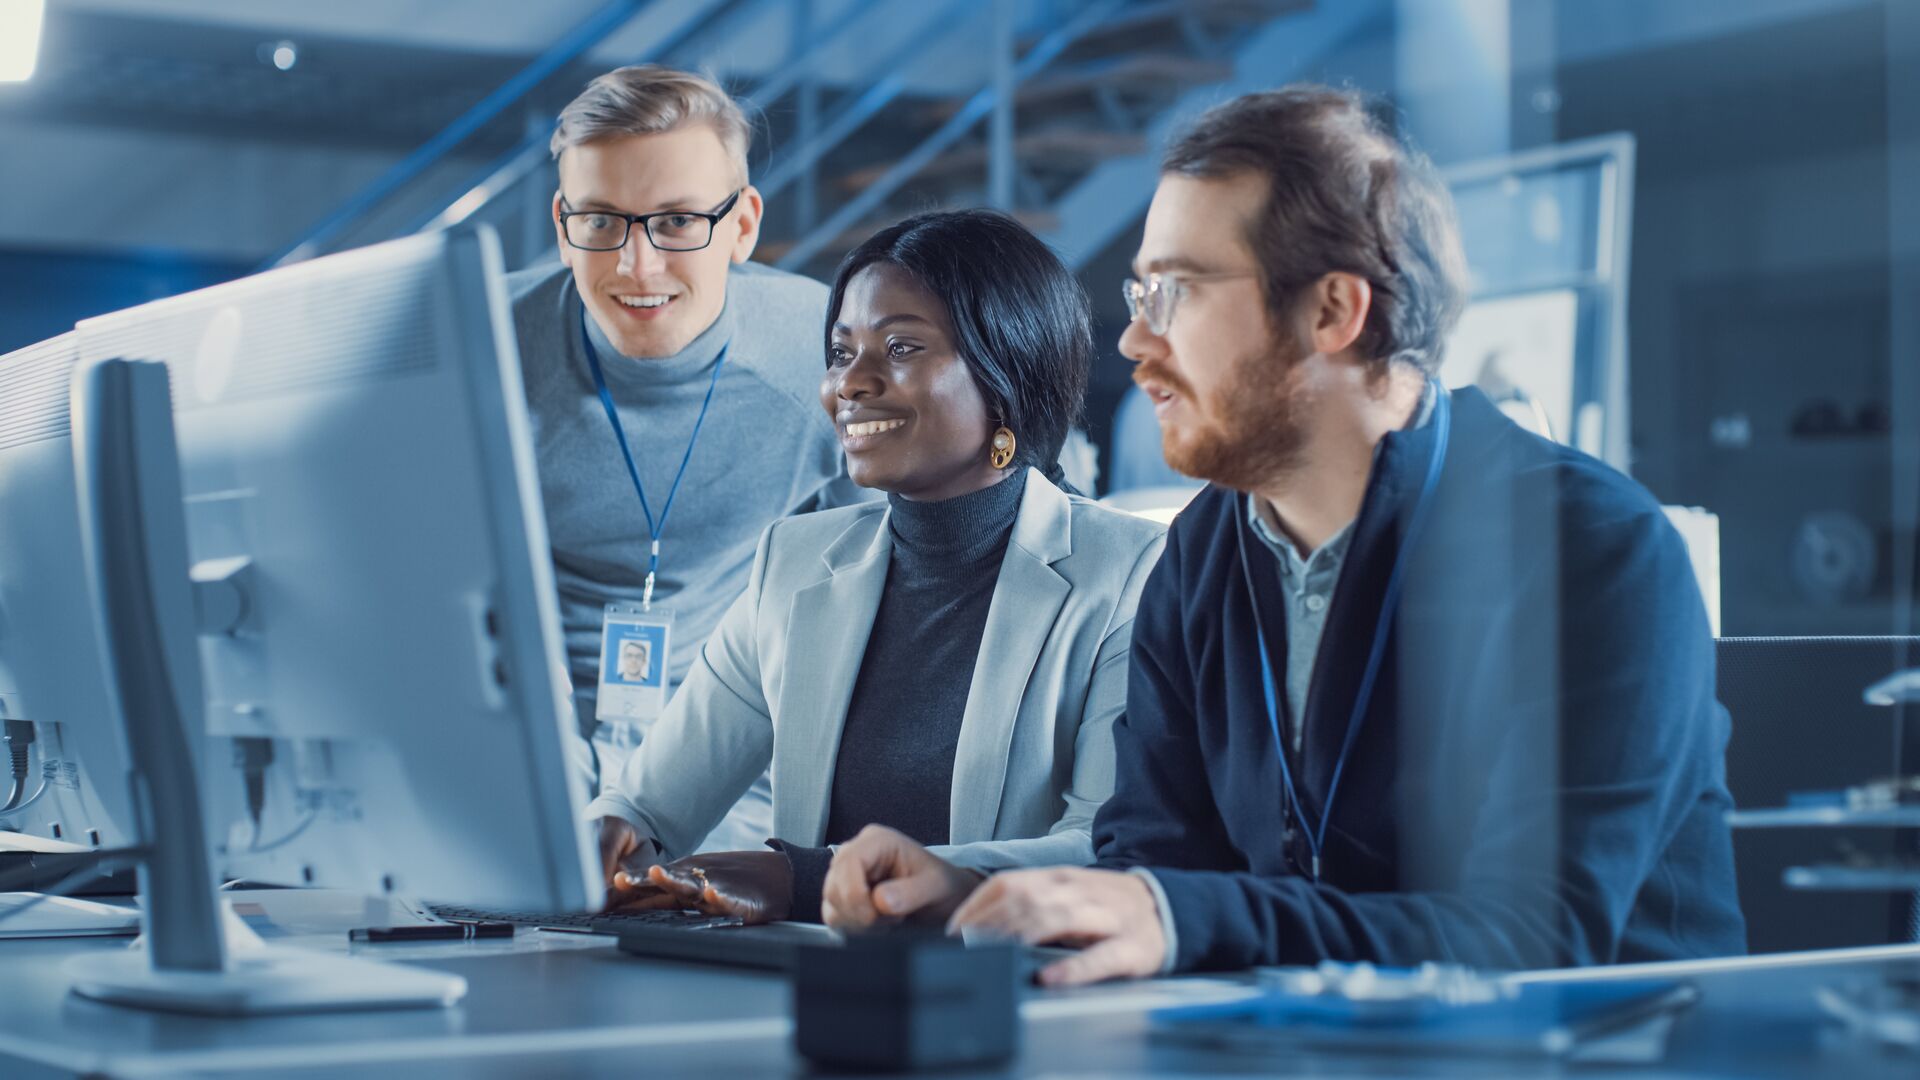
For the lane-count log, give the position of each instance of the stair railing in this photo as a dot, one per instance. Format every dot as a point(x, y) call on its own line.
point(978, 106)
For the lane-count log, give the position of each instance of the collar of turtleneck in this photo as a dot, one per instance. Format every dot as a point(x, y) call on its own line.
point(966, 529)
point(695, 359)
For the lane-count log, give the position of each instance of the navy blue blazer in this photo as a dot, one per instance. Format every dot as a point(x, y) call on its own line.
point(1539, 780)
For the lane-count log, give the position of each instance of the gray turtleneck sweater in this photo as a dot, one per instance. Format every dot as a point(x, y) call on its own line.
point(895, 765)
point(768, 450)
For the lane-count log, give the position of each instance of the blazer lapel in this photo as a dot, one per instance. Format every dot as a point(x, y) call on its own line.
point(826, 632)
point(1026, 602)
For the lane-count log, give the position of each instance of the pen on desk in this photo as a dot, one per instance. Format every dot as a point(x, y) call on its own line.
point(460, 931)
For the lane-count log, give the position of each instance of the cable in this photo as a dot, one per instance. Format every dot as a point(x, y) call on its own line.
point(252, 755)
point(305, 824)
point(109, 862)
point(19, 740)
point(48, 770)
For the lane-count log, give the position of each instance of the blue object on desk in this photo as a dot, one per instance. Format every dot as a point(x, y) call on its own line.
point(1549, 1019)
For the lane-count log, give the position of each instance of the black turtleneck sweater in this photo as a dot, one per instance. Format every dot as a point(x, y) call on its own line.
point(895, 765)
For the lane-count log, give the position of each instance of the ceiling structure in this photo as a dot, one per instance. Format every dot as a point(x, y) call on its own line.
point(505, 27)
point(389, 74)
point(368, 73)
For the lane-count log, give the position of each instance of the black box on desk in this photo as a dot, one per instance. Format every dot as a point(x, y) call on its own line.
point(906, 1001)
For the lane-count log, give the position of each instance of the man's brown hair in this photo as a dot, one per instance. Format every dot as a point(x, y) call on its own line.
point(1344, 194)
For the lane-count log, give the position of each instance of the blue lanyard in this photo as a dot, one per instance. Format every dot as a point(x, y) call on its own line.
point(1317, 834)
point(654, 529)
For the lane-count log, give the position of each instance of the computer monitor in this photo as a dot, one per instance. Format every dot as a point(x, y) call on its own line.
point(51, 680)
point(375, 683)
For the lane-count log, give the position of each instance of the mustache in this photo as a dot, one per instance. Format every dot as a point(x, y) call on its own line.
point(1146, 372)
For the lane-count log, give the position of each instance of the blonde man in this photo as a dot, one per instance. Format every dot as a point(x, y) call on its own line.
point(672, 383)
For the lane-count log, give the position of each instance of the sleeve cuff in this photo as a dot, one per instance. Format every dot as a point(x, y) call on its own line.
point(1165, 911)
point(610, 805)
point(809, 866)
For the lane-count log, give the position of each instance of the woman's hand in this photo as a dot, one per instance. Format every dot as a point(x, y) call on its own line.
point(621, 850)
point(752, 886)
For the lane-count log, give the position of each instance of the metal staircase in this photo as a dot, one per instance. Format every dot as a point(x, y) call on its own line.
point(1061, 127)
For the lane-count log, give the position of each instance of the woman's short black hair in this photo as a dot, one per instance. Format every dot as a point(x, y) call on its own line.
point(1021, 321)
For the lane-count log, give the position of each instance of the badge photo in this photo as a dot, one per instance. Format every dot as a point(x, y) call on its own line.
point(633, 663)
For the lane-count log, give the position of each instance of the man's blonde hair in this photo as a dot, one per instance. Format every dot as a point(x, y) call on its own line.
point(647, 99)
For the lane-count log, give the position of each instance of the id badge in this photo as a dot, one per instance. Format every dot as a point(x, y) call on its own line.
point(633, 662)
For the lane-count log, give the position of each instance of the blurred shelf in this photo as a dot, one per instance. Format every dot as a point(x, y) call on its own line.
point(1852, 878)
point(1825, 817)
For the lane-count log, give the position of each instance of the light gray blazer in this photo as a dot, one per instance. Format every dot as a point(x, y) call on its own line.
point(1035, 756)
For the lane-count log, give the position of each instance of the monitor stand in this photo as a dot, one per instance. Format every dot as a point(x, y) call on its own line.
point(195, 956)
point(259, 979)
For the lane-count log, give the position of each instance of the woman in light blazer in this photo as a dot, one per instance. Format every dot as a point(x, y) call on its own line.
point(948, 663)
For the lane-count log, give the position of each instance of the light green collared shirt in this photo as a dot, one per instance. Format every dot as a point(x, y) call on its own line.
point(1308, 584)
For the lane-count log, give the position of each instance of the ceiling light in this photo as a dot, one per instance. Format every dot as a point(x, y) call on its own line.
point(20, 38)
point(281, 54)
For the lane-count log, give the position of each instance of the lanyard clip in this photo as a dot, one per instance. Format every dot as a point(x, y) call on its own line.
point(653, 568)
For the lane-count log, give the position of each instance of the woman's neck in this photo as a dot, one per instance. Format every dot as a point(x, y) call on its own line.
point(959, 529)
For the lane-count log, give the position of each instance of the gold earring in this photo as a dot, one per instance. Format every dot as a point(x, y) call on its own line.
point(1001, 455)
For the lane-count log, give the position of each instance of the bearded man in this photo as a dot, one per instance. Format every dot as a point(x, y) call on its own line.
point(1409, 683)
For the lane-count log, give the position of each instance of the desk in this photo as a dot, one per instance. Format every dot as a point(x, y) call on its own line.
point(549, 1004)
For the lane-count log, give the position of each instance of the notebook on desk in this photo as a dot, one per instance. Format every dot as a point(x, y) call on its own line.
point(35, 915)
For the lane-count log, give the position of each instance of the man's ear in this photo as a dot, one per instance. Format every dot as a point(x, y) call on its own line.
point(746, 218)
point(1339, 304)
point(560, 233)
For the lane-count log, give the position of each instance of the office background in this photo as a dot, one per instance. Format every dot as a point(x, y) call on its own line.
point(1694, 229)
point(1768, 345)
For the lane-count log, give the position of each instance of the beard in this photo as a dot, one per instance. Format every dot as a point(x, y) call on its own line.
point(1250, 428)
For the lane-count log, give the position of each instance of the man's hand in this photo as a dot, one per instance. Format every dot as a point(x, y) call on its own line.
point(1111, 914)
point(752, 886)
point(884, 875)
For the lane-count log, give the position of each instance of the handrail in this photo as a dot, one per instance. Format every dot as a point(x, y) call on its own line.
point(530, 152)
point(978, 106)
point(512, 167)
point(861, 109)
point(611, 16)
point(775, 87)
point(493, 181)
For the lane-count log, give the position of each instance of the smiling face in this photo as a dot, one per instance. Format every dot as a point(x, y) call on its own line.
point(1227, 386)
point(910, 415)
point(652, 303)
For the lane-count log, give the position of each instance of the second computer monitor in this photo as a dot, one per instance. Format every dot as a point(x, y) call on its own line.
point(75, 782)
point(385, 696)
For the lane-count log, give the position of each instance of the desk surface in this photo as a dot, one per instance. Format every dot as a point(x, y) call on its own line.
point(560, 1004)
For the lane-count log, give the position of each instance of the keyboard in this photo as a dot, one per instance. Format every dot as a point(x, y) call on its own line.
point(590, 922)
point(768, 947)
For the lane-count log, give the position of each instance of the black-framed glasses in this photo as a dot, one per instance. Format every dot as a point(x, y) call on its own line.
point(1156, 298)
point(668, 230)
